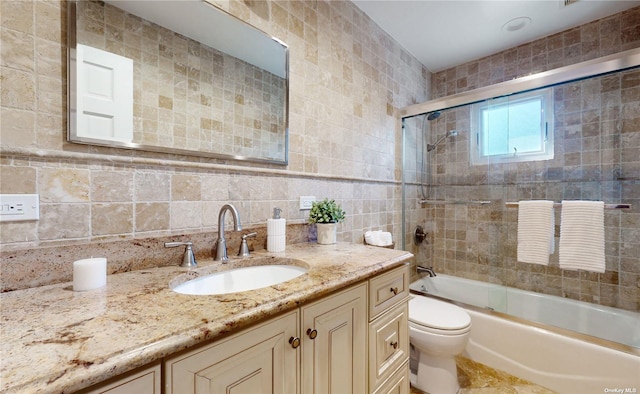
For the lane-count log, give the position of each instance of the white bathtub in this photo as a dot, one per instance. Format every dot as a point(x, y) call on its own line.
point(565, 345)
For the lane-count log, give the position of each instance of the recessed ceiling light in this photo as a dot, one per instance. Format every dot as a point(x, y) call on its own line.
point(516, 23)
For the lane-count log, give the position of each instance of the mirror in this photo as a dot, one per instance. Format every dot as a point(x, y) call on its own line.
point(180, 77)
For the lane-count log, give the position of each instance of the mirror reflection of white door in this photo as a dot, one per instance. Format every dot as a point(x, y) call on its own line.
point(105, 95)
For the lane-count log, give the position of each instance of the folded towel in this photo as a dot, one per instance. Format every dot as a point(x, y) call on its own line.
point(582, 236)
point(372, 237)
point(378, 238)
point(385, 238)
point(535, 231)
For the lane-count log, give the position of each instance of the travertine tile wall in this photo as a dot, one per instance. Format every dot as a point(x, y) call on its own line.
point(186, 94)
point(348, 78)
point(597, 157)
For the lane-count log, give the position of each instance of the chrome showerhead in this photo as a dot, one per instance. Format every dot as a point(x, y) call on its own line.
point(433, 115)
point(450, 133)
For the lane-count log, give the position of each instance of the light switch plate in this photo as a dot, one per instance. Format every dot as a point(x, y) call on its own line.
point(305, 202)
point(19, 207)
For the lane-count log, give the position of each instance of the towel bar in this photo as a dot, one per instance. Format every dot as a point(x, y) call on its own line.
point(559, 205)
point(453, 202)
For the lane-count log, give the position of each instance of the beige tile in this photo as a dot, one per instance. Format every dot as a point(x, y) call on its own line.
point(186, 215)
point(116, 218)
point(152, 186)
point(17, 50)
point(18, 89)
point(17, 15)
point(58, 185)
point(185, 187)
point(17, 128)
point(50, 20)
point(151, 216)
point(62, 221)
point(111, 186)
point(19, 232)
point(17, 180)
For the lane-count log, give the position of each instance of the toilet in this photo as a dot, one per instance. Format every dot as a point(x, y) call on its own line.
point(438, 331)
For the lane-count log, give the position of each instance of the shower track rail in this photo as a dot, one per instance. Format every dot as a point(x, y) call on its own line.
point(507, 204)
point(453, 202)
point(559, 205)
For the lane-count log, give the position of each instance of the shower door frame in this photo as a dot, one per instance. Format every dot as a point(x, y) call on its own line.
point(591, 68)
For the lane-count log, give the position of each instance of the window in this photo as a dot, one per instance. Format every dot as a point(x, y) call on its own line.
point(513, 128)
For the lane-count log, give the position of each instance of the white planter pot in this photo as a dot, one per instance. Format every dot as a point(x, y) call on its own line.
point(327, 233)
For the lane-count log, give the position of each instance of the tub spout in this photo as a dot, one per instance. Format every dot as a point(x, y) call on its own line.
point(428, 270)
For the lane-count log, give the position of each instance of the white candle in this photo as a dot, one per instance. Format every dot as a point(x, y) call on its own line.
point(89, 274)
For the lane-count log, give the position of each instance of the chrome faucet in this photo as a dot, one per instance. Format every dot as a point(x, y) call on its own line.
point(428, 270)
point(221, 250)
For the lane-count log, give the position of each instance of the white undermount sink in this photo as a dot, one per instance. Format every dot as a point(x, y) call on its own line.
point(239, 279)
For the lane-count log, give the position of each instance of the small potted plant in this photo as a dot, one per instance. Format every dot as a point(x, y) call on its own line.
point(326, 214)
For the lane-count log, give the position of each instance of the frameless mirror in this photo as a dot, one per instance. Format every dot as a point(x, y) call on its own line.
point(181, 77)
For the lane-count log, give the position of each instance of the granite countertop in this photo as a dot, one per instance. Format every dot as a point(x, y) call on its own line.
point(55, 340)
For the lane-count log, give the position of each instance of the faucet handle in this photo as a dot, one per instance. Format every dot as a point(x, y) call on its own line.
point(244, 247)
point(189, 259)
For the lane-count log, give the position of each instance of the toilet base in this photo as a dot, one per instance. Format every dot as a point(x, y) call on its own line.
point(437, 375)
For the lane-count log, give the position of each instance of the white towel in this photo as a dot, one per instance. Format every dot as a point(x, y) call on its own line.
point(535, 231)
point(582, 236)
point(378, 238)
point(372, 237)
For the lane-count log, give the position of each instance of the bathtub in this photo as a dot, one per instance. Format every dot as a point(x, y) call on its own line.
point(565, 345)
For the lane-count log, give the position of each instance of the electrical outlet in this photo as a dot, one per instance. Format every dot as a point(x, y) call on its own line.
point(19, 207)
point(305, 202)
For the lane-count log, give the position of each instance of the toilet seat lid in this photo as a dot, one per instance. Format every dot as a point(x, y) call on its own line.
point(433, 313)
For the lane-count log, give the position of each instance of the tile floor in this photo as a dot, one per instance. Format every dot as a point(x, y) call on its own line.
point(476, 378)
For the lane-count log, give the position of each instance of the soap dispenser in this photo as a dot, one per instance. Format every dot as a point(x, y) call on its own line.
point(276, 232)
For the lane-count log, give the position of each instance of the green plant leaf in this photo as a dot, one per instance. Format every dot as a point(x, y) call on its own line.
point(326, 211)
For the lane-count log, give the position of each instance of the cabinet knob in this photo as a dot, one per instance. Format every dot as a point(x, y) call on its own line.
point(312, 333)
point(294, 341)
point(394, 344)
point(394, 290)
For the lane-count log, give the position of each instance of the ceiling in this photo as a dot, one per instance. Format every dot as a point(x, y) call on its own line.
point(445, 33)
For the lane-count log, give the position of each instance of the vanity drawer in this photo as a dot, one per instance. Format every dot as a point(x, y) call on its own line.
point(388, 343)
point(398, 383)
point(387, 289)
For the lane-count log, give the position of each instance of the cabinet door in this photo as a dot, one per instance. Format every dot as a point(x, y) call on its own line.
point(258, 360)
point(144, 381)
point(334, 338)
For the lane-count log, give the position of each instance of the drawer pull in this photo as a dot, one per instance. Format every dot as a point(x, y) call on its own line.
point(394, 344)
point(295, 342)
point(394, 290)
point(312, 333)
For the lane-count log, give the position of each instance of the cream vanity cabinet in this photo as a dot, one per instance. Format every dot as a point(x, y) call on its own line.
point(353, 341)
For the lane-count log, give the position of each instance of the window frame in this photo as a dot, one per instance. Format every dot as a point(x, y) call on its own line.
point(477, 157)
